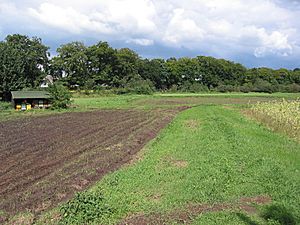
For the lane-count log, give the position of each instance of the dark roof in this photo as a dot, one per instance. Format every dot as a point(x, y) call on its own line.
point(29, 94)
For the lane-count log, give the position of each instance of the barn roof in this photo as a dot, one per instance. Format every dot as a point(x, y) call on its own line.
point(29, 94)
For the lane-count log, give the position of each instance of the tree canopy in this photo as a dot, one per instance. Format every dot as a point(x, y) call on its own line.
point(25, 61)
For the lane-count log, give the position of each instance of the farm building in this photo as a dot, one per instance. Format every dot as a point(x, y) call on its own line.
point(25, 100)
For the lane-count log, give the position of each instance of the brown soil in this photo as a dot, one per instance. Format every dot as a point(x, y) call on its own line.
point(186, 215)
point(45, 160)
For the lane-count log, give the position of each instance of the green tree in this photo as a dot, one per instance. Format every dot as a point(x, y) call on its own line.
point(24, 62)
point(60, 96)
point(101, 60)
point(71, 64)
point(155, 71)
point(126, 67)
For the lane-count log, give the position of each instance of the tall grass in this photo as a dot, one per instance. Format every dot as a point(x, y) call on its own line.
point(283, 116)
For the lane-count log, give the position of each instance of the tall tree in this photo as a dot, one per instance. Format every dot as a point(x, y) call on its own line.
point(24, 62)
point(126, 67)
point(71, 63)
point(101, 60)
point(155, 71)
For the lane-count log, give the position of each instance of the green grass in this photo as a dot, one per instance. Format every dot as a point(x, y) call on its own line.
point(110, 102)
point(207, 155)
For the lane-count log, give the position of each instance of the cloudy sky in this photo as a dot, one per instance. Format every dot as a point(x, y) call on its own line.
point(253, 32)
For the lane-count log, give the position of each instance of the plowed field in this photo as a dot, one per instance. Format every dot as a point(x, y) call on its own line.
point(45, 160)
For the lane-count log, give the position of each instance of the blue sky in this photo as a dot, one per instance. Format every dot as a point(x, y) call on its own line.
point(255, 33)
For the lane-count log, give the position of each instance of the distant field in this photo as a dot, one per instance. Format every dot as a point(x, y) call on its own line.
point(159, 100)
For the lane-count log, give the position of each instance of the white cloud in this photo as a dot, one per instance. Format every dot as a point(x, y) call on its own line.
point(223, 27)
point(276, 43)
point(113, 17)
point(181, 29)
point(67, 19)
point(141, 41)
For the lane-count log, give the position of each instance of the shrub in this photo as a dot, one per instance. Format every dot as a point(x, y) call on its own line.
point(60, 95)
point(174, 88)
point(84, 208)
point(5, 106)
point(293, 88)
point(263, 86)
point(138, 86)
point(246, 88)
point(227, 88)
point(193, 87)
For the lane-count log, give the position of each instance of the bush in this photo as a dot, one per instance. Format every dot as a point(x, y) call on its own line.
point(227, 88)
point(5, 106)
point(246, 88)
point(138, 86)
point(293, 88)
point(85, 208)
point(60, 96)
point(173, 89)
point(263, 86)
point(193, 87)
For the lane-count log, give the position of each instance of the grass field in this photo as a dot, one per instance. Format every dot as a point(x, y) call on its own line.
point(204, 165)
point(211, 165)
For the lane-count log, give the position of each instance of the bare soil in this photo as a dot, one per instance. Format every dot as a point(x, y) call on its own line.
point(45, 160)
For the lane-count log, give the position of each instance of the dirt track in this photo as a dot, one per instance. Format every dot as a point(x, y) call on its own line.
point(45, 160)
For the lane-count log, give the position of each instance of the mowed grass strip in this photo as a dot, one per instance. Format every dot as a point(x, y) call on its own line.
point(209, 156)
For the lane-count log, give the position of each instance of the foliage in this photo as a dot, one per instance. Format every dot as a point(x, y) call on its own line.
point(194, 87)
point(60, 96)
point(84, 208)
point(263, 86)
point(227, 88)
point(5, 106)
point(24, 62)
point(138, 86)
point(71, 64)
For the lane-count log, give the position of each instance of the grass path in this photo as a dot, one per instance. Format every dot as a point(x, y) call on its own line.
point(208, 155)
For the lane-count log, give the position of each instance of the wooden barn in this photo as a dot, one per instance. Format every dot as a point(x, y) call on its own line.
point(25, 100)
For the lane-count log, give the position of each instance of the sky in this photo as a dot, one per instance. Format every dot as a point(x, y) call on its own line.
point(256, 33)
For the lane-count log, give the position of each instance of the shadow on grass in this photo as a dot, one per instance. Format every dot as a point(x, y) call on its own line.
point(246, 219)
point(279, 214)
point(273, 213)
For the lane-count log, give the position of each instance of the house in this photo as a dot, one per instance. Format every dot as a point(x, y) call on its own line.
point(25, 100)
point(48, 80)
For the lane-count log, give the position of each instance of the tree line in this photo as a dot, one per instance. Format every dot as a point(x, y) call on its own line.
point(25, 61)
